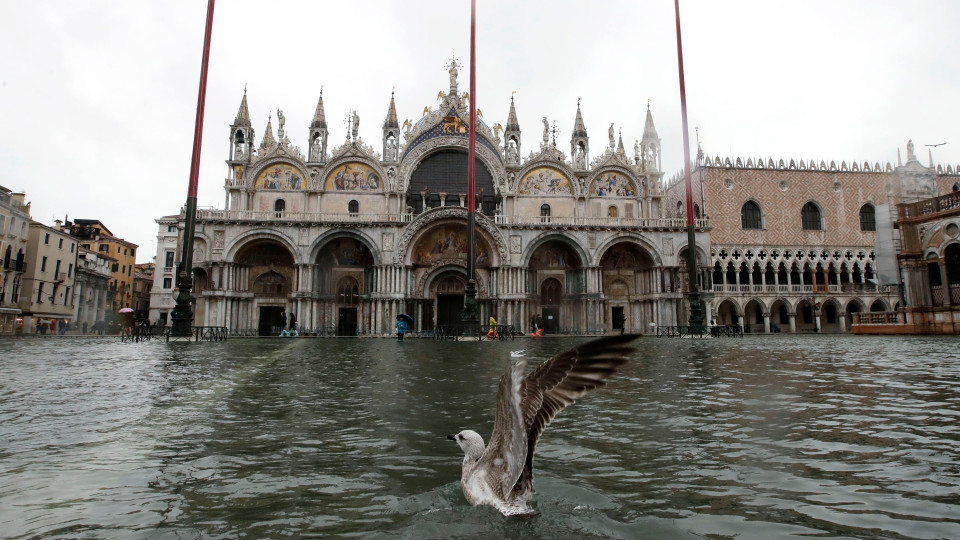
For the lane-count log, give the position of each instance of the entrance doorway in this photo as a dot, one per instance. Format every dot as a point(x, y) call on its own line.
point(347, 321)
point(449, 308)
point(618, 317)
point(271, 321)
point(551, 320)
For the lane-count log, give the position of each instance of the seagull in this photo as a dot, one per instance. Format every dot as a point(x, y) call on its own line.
point(501, 475)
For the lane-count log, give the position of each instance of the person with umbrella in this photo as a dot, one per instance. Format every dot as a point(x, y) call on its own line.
point(403, 321)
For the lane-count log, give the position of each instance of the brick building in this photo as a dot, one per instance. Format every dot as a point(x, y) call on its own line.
point(803, 245)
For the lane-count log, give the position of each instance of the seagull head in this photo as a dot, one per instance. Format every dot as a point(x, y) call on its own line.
point(470, 442)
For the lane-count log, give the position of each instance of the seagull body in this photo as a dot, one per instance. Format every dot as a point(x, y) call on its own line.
point(501, 474)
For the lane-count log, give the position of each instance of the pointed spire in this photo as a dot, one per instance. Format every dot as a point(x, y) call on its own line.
point(512, 123)
point(243, 115)
point(649, 131)
point(579, 130)
point(319, 118)
point(391, 121)
point(268, 140)
point(620, 149)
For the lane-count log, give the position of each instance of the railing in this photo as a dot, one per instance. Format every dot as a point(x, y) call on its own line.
point(878, 317)
point(141, 333)
point(251, 215)
point(348, 217)
point(201, 333)
point(646, 223)
point(807, 289)
point(456, 332)
point(733, 330)
point(950, 201)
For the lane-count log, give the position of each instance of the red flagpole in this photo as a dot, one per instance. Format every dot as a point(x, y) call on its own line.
point(470, 314)
point(693, 295)
point(182, 313)
point(473, 108)
point(201, 100)
point(683, 113)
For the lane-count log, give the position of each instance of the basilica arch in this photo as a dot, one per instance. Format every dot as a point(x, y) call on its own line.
point(265, 276)
point(342, 277)
point(556, 282)
point(630, 283)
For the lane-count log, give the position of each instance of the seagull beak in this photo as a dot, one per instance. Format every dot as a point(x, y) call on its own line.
point(451, 437)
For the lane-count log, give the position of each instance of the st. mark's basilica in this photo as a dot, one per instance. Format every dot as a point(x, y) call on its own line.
point(346, 238)
point(594, 240)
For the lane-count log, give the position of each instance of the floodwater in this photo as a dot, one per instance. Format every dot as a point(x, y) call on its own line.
point(757, 437)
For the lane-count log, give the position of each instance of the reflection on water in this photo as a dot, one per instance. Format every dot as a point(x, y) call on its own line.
point(749, 438)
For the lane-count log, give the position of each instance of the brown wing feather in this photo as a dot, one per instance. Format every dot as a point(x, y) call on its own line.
point(504, 456)
point(556, 383)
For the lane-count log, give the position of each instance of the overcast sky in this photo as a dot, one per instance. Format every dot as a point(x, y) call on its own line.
point(98, 98)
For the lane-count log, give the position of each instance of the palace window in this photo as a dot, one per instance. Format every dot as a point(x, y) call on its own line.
point(868, 218)
point(810, 217)
point(750, 217)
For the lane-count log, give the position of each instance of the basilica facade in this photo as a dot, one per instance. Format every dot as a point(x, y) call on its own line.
point(345, 238)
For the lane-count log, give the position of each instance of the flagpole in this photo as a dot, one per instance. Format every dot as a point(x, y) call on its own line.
point(470, 313)
point(696, 314)
point(182, 314)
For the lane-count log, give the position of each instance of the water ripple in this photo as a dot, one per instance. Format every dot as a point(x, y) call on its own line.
point(757, 437)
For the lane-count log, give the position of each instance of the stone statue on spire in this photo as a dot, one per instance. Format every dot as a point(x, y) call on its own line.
point(452, 70)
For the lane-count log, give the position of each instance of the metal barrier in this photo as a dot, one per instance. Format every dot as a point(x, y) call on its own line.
point(201, 333)
point(700, 332)
point(456, 332)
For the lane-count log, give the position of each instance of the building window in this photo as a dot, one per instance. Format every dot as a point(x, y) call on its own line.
point(46, 238)
point(104, 248)
point(171, 228)
point(71, 247)
point(169, 260)
point(40, 292)
point(70, 270)
point(167, 283)
point(115, 267)
point(279, 205)
point(750, 217)
point(60, 245)
point(810, 217)
point(545, 213)
point(353, 207)
point(43, 264)
point(868, 218)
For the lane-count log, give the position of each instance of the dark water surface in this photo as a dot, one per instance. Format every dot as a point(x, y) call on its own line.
point(766, 437)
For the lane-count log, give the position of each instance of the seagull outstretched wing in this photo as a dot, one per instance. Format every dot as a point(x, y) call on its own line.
point(557, 383)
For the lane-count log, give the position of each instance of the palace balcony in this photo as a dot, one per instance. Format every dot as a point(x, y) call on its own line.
point(806, 290)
